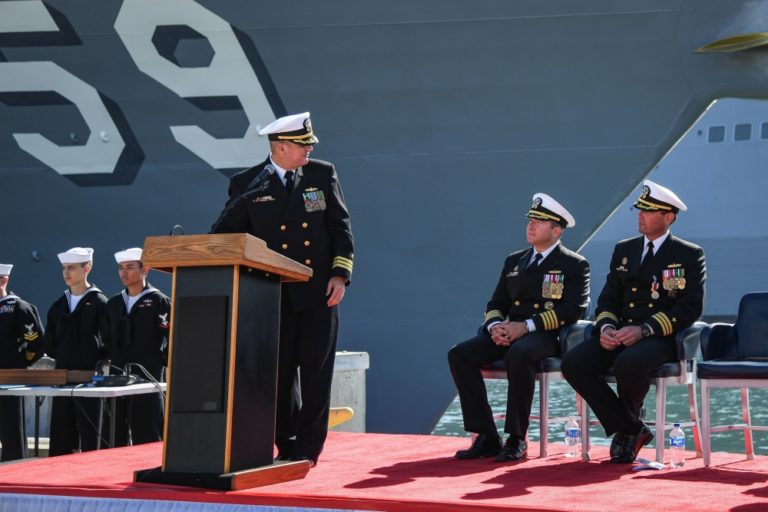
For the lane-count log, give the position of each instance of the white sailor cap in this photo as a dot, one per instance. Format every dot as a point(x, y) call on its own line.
point(76, 255)
point(132, 254)
point(296, 128)
point(546, 208)
point(655, 198)
point(5, 269)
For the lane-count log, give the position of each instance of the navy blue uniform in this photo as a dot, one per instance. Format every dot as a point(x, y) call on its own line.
point(21, 340)
point(668, 295)
point(138, 336)
point(552, 294)
point(74, 340)
point(309, 225)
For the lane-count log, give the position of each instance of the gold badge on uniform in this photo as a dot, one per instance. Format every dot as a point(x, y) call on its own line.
point(549, 305)
point(314, 200)
point(552, 286)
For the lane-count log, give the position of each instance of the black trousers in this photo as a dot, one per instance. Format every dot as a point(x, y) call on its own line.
point(11, 433)
point(520, 358)
point(584, 365)
point(308, 343)
point(74, 423)
point(142, 415)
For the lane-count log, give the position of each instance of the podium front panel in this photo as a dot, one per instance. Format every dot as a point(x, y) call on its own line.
point(223, 370)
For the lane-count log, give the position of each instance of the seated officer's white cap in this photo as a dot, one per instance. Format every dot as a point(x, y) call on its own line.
point(546, 208)
point(132, 254)
point(296, 128)
point(655, 198)
point(76, 255)
point(5, 269)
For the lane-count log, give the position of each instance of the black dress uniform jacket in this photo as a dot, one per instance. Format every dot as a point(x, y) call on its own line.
point(141, 334)
point(138, 336)
point(552, 294)
point(21, 340)
point(667, 294)
point(74, 340)
point(21, 333)
point(310, 225)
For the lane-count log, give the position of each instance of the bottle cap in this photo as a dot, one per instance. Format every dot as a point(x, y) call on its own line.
point(677, 425)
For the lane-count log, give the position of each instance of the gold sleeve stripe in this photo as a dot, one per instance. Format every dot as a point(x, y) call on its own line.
point(32, 336)
point(666, 325)
point(549, 318)
point(608, 315)
point(340, 261)
point(30, 356)
point(493, 314)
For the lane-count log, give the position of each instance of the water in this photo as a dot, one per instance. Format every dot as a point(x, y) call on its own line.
point(726, 408)
point(572, 438)
point(676, 447)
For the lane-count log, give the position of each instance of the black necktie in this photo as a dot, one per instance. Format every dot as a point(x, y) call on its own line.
point(289, 181)
point(648, 256)
point(535, 261)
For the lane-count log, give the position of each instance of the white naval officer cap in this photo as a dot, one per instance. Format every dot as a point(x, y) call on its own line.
point(655, 198)
point(76, 255)
point(545, 207)
point(132, 254)
point(295, 128)
point(5, 269)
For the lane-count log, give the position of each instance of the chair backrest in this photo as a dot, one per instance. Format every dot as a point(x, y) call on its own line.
point(752, 326)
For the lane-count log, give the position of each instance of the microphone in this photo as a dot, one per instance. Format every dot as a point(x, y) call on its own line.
point(174, 228)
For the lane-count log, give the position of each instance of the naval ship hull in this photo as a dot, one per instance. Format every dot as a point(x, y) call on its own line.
point(122, 118)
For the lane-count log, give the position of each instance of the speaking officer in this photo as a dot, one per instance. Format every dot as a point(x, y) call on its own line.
point(73, 338)
point(297, 207)
point(135, 333)
point(20, 345)
point(540, 289)
point(655, 287)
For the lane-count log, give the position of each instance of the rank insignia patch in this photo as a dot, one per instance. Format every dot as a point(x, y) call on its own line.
point(314, 200)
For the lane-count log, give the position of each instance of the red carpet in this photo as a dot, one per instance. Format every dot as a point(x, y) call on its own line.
point(410, 473)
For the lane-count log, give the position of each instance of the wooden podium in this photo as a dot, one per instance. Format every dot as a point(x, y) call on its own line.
point(222, 363)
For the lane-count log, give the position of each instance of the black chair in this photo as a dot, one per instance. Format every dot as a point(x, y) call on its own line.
point(680, 372)
point(735, 356)
point(548, 370)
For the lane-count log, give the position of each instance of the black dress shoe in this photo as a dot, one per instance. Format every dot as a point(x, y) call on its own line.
point(514, 449)
point(617, 444)
point(632, 445)
point(484, 445)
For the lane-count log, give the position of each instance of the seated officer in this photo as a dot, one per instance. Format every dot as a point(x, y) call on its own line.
point(655, 287)
point(541, 288)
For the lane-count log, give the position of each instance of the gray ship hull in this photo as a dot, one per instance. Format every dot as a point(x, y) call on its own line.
point(442, 123)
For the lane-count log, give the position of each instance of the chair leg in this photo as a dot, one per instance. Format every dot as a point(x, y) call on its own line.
point(705, 422)
point(745, 413)
point(583, 410)
point(693, 406)
point(543, 413)
point(661, 418)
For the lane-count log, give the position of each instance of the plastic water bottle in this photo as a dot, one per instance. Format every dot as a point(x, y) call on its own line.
point(676, 447)
point(572, 438)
